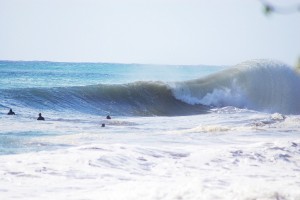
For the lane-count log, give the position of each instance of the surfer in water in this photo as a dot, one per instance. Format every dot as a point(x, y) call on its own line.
point(40, 117)
point(11, 112)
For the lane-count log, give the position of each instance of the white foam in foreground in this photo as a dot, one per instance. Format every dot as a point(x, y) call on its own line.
point(223, 155)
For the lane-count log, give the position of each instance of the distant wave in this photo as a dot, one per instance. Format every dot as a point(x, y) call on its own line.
point(260, 85)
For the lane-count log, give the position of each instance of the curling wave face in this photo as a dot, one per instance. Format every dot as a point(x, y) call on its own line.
point(257, 85)
point(260, 85)
point(138, 98)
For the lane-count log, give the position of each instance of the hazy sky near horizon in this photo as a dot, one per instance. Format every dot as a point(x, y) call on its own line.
point(213, 32)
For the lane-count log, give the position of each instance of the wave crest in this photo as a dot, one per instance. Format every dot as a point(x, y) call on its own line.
point(259, 85)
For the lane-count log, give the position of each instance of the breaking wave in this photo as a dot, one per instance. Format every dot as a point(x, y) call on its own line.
point(260, 85)
point(139, 98)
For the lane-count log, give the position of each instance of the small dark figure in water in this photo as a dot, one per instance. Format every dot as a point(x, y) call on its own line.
point(11, 112)
point(108, 117)
point(40, 117)
point(103, 125)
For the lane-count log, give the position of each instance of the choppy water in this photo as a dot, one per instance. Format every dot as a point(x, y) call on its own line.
point(177, 132)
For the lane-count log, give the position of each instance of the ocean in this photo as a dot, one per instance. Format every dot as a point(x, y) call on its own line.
point(177, 132)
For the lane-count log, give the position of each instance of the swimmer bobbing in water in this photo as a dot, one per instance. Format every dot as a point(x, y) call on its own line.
point(40, 117)
point(11, 112)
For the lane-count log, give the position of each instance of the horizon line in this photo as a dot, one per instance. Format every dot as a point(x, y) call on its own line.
point(115, 63)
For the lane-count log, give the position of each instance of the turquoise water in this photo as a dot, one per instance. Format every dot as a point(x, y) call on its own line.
point(74, 93)
point(55, 74)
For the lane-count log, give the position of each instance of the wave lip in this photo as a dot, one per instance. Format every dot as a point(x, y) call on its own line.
point(260, 85)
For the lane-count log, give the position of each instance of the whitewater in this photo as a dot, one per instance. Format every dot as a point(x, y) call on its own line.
point(177, 132)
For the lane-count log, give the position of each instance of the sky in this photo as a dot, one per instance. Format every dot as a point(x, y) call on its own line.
point(211, 32)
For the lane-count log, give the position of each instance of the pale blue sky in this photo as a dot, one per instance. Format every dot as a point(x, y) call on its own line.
point(213, 32)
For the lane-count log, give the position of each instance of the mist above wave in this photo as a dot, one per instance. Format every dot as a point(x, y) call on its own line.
point(261, 85)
